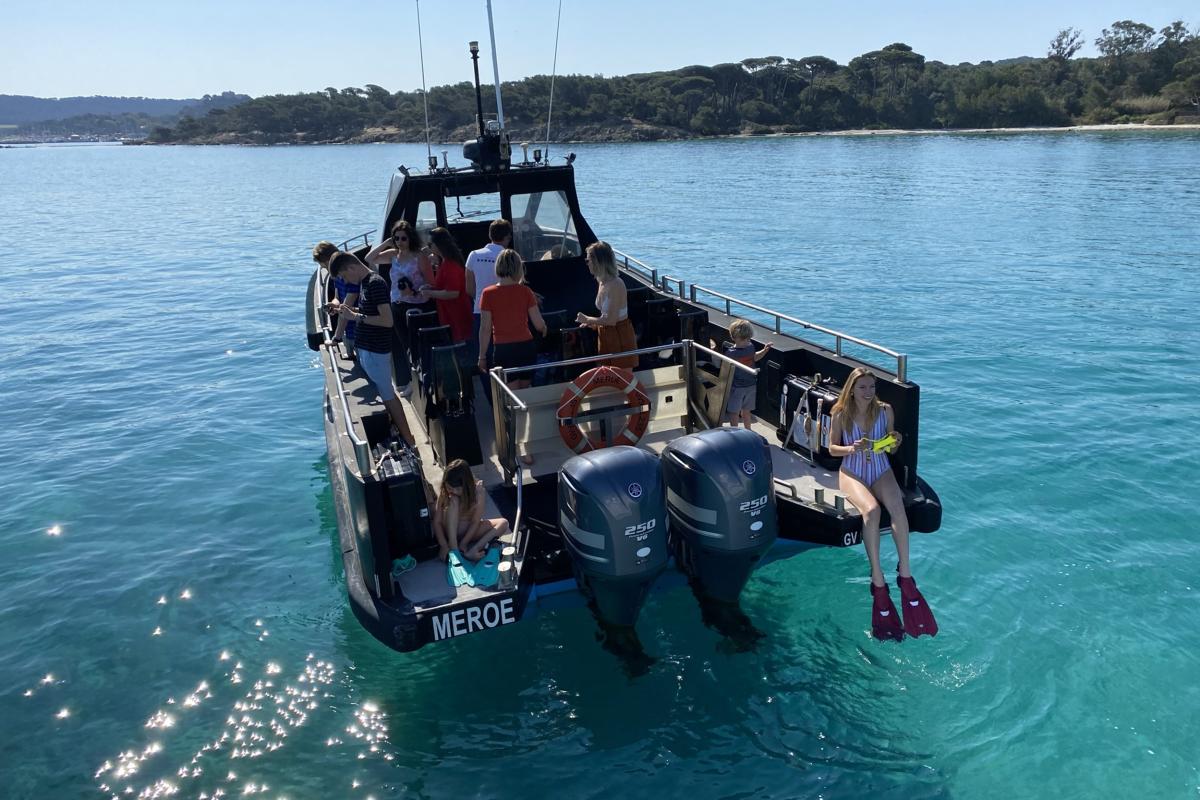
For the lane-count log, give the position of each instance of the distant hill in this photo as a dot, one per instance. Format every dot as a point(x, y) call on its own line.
point(20, 109)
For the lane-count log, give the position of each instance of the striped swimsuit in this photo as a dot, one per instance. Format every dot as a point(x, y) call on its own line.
point(867, 466)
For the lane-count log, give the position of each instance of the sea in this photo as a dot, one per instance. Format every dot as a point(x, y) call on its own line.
point(173, 618)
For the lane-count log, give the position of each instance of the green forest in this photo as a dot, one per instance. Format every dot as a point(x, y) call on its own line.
point(1141, 75)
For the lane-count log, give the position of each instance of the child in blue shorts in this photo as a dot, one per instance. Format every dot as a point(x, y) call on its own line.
point(745, 387)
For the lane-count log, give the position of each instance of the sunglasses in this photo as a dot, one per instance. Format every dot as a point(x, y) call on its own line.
point(399, 237)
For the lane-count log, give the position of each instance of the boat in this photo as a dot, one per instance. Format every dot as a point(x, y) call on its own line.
point(683, 501)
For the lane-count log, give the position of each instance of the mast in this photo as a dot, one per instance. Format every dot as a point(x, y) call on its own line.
point(495, 67)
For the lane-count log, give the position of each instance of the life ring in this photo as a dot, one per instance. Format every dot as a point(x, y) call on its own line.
point(572, 397)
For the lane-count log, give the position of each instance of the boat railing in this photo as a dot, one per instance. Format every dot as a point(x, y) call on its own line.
point(665, 282)
point(499, 375)
point(675, 286)
point(631, 264)
point(900, 369)
point(504, 438)
point(362, 450)
point(365, 236)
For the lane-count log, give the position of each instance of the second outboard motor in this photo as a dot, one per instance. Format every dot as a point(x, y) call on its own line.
point(721, 501)
point(613, 515)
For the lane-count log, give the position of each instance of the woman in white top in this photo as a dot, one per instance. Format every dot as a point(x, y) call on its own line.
point(410, 273)
point(613, 328)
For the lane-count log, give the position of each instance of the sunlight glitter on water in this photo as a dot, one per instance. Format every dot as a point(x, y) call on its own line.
point(258, 723)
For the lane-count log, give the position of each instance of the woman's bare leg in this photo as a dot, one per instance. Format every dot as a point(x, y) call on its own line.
point(452, 523)
point(888, 492)
point(481, 534)
point(868, 506)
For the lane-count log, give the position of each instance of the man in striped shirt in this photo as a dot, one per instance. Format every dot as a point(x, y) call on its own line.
point(374, 339)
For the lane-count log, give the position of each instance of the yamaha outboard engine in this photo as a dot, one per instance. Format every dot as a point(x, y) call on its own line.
point(721, 501)
point(613, 515)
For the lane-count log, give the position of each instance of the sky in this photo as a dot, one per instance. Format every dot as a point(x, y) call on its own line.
point(168, 48)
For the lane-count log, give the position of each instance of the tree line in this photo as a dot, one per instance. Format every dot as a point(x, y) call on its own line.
point(1141, 75)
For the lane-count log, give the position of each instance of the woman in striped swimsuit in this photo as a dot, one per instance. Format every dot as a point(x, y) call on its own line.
point(858, 419)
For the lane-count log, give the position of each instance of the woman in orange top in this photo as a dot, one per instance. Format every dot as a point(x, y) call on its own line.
point(613, 328)
point(505, 311)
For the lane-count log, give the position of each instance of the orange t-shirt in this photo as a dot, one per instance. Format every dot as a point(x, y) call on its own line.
point(509, 306)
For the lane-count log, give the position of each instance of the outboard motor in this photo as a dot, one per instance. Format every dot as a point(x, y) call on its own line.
point(613, 515)
point(721, 501)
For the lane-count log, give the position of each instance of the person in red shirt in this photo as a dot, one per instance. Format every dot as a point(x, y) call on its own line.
point(450, 286)
point(505, 311)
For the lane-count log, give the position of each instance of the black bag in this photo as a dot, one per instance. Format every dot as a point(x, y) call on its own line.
point(804, 407)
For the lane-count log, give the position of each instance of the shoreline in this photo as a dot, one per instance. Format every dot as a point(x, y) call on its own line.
point(847, 132)
point(1097, 128)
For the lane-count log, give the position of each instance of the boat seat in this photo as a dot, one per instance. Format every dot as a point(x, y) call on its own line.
point(692, 324)
point(416, 320)
point(450, 382)
point(576, 342)
point(662, 322)
point(537, 433)
point(636, 297)
point(555, 322)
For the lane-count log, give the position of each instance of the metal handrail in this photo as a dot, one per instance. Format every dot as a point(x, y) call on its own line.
point(631, 264)
point(734, 362)
point(570, 362)
point(366, 237)
point(669, 278)
point(497, 376)
point(900, 371)
point(362, 452)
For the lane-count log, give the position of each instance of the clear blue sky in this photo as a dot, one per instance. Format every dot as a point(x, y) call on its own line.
point(168, 48)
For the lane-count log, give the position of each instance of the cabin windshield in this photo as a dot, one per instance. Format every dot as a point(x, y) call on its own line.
point(473, 207)
point(426, 218)
point(543, 227)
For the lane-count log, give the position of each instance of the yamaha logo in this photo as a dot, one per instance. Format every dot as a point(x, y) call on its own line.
point(635, 490)
point(748, 467)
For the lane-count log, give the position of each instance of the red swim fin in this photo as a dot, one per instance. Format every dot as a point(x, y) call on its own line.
point(885, 622)
point(918, 619)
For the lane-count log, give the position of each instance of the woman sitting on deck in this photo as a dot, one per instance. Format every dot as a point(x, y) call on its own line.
point(859, 421)
point(458, 521)
point(613, 328)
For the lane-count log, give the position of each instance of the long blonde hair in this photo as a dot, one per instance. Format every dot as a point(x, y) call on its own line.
point(844, 410)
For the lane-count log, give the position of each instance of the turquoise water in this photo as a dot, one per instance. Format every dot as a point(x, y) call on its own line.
point(171, 601)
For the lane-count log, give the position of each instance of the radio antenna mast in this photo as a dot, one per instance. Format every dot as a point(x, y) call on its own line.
point(553, 72)
point(424, 94)
point(495, 67)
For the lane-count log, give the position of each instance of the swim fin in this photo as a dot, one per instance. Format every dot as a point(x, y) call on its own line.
point(457, 573)
point(887, 443)
point(918, 618)
point(487, 568)
point(885, 622)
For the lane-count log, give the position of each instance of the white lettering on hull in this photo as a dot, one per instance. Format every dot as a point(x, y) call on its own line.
point(462, 621)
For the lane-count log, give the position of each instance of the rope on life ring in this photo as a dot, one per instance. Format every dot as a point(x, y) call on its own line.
point(618, 378)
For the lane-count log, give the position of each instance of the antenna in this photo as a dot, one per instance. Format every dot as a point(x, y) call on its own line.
point(424, 94)
point(553, 72)
point(495, 67)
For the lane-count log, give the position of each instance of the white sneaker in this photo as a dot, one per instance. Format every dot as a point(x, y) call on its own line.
point(405, 390)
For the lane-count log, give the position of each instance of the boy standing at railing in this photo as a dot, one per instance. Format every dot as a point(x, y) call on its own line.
point(743, 392)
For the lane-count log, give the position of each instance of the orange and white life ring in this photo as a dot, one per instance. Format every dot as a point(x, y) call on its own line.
point(572, 397)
